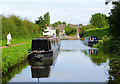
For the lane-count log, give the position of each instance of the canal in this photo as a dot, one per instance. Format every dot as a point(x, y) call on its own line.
point(75, 62)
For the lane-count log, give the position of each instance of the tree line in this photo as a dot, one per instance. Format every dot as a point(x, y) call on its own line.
point(23, 28)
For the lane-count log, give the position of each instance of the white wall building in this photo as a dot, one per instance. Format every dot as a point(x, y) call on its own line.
point(62, 32)
point(50, 32)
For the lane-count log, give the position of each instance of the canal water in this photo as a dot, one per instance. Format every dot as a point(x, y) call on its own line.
point(75, 62)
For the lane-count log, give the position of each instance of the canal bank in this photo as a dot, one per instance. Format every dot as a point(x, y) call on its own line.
point(75, 63)
point(14, 55)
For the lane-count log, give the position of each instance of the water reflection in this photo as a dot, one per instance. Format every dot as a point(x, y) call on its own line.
point(13, 71)
point(98, 57)
point(75, 63)
point(40, 68)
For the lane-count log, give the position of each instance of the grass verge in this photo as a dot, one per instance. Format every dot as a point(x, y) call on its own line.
point(13, 55)
point(16, 41)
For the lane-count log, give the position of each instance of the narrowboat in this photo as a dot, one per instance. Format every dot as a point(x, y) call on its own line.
point(90, 41)
point(44, 48)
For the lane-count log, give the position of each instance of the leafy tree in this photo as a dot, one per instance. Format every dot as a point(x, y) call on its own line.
point(114, 20)
point(70, 30)
point(64, 22)
point(18, 27)
point(81, 32)
point(41, 23)
point(84, 28)
point(47, 18)
point(89, 27)
point(58, 23)
point(80, 24)
point(57, 31)
point(99, 20)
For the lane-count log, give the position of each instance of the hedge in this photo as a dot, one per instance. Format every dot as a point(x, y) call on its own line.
point(70, 30)
point(19, 28)
point(99, 32)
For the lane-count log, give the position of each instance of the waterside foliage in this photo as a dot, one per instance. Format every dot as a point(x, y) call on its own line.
point(13, 55)
point(13, 71)
point(70, 30)
point(19, 28)
point(98, 32)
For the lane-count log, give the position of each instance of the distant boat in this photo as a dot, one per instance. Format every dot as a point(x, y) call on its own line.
point(90, 41)
point(44, 48)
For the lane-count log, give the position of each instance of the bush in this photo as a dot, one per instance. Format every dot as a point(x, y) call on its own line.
point(98, 32)
point(105, 38)
point(70, 30)
point(81, 32)
point(18, 28)
point(85, 28)
point(57, 32)
point(99, 44)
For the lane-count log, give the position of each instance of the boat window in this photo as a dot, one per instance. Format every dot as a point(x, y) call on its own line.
point(49, 45)
point(39, 45)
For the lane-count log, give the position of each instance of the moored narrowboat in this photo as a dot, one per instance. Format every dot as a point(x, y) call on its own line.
point(90, 41)
point(44, 48)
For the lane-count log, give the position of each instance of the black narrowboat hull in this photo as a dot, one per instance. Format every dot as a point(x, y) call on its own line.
point(44, 48)
point(44, 54)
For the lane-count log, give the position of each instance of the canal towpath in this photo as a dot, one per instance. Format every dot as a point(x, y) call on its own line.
point(11, 45)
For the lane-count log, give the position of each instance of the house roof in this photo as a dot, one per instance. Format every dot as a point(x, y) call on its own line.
point(75, 26)
point(60, 27)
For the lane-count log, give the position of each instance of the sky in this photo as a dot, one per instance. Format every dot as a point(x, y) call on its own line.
point(70, 11)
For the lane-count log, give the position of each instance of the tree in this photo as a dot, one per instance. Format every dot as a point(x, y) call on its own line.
point(57, 32)
point(80, 24)
point(70, 30)
point(47, 18)
point(114, 20)
point(58, 23)
point(41, 23)
point(64, 22)
point(99, 20)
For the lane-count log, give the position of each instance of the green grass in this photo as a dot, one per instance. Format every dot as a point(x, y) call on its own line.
point(13, 71)
point(16, 41)
point(13, 55)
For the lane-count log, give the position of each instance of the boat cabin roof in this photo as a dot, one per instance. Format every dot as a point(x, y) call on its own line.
point(43, 43)
point(92, 37)
point(44, 38)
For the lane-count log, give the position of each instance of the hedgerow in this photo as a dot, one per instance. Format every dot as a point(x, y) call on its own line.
point(99, 32)
point(18, 27)
point(70, 30)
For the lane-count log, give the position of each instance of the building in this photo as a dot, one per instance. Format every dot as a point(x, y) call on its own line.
point(75, 26)
point(61, 28)
point(50, 32)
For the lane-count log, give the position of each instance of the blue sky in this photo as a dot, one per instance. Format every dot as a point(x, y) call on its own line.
point(70, 11)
